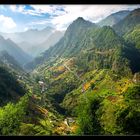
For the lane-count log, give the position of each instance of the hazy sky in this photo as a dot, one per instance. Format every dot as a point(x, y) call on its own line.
point(17, 18)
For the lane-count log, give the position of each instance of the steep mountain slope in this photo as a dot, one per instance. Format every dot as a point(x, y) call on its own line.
point(96, 49)
point(50, 41)
point(32, 36)
point(86, 84)
point(128, 23)
point(67, 44)
point(26, 47)
point(91, 74)
point(105, 104)
point(109, 51)
point(9, 61)
point(113, 18)
point(14, 50)
point(99, 47)
point(134, 36)
point(35, 41)
point(10, 89)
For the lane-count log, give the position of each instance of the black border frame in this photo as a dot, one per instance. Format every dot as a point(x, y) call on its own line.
point(69, 2)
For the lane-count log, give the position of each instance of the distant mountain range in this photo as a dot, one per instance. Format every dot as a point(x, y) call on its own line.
point(31, 36)
point(39, 48)
point(9, 62)
point(10, 89)
point(134, 36)
point(35, 41)
point(113, 18)
point(12, 49)
point(83, 35)
point(128, 23)
point(89, 73)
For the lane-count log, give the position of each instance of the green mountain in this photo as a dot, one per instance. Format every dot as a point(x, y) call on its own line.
point(101, 47)
point(10, 88)
point(68, 44)
point(87, 76)
point(128, 23)
point(50, 41)
point(35, 41)
point(113, 18)
point(9, 46)
point(31, 36)
point(9, 61)
point(134, 36)
point(86, 84)
point(109, 51)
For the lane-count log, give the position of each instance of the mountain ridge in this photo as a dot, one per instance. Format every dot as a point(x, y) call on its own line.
point(113, 18)
point(128, 23)
point(14, 50)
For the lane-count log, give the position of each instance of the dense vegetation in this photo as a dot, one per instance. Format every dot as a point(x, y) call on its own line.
point(86, 84)
point(10, 88)
point(9, 61)
point(134, 36)
point(128, 23)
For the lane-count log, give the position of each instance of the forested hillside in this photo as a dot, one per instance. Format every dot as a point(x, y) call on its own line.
point(10, 89)
point(12, 48)
point(113, 18)
point(88, 83)
point(128, 23)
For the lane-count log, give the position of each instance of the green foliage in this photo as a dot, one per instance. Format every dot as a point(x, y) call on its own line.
point(108, 119)
point(10, 88)
point(71, 41)
point(92, 86)
point(27, 129)
point(129, 53)
point(128, 23)
point(101, 59)
point(59, 88)
point(43, 128)
point(100, 116)
point(88, 119)
point(128, 118)
point(9, 62)
point(95, 48)
point(12, 115)
point(134, 36)
point(133, 93)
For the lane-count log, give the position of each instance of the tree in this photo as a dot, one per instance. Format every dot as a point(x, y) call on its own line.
point(129, 117)
point(87, 117)
point(12, 115)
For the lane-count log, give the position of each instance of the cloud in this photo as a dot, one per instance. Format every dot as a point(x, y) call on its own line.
point(37, 10)
point(6, 23)
point(94, 13)
point(60, 16)
point(2, 7)
point(25, 29)
point(22, 9)
point(50, 9)
point(13, 8)
point(41, 22)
